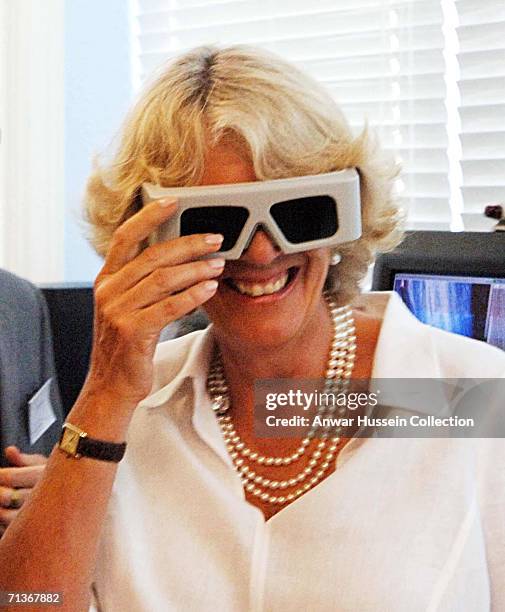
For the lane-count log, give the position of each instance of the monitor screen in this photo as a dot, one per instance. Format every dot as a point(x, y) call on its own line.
point(469, 305)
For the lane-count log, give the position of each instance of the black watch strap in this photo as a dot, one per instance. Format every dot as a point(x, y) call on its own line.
point(103, 451)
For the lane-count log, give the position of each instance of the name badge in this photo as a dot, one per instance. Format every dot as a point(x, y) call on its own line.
point(40, 412)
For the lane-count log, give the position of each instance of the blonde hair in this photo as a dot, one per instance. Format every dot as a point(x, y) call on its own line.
point(284, 121)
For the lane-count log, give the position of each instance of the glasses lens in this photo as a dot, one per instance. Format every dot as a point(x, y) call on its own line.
point(226, 220)
point(306, 219)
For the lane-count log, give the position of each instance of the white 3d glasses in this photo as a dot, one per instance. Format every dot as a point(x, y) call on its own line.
point(299, 214)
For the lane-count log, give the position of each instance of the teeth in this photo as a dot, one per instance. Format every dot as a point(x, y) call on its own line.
point(256, 290)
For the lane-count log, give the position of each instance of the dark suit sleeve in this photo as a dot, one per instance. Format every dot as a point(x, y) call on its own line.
point(26, 364)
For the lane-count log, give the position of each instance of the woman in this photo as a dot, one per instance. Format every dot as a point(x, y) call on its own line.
point(182, 524)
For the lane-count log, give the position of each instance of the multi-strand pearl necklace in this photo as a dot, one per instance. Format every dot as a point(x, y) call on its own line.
point(338, 373)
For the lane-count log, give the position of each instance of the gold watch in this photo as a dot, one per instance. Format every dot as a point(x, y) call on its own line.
point(76, 443)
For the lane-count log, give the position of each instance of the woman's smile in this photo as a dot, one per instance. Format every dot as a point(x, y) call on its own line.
point(261, 288)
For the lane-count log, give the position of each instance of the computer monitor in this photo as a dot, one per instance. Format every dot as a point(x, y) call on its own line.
point(454, 281)
point(71, 313)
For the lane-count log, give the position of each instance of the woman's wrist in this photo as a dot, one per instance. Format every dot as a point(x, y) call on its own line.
point(102, 414)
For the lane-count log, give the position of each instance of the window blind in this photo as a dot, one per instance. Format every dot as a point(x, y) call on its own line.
point(481, 35)
point(382, 61)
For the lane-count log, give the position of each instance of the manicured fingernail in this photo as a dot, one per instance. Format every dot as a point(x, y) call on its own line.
point(210, 286)
point(214, 238)
point(166, 202)
point(216, 263)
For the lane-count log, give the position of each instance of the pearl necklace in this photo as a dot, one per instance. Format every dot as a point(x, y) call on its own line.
point(338, 373)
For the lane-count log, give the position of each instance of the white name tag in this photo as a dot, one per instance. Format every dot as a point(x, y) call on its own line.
point(40, 412)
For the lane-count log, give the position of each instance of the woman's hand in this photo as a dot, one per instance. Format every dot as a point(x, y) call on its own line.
point(137, 293)
point(16, 482)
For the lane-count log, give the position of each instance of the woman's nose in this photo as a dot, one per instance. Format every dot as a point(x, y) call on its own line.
point(262, 249)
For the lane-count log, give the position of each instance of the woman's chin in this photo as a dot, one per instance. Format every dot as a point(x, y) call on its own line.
point(256, 334)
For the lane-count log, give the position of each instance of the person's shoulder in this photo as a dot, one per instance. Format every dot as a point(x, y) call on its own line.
point(458, 356)
point(20, 297)
point(408, 346)
point(13, 286)
point(466, 357)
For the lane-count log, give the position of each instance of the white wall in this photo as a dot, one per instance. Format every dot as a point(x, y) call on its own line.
point(98, 92)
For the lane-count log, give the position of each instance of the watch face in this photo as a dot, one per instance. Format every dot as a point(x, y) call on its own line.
point(69, 441)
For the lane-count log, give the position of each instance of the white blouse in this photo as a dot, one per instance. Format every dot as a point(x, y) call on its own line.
point(402, 524)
